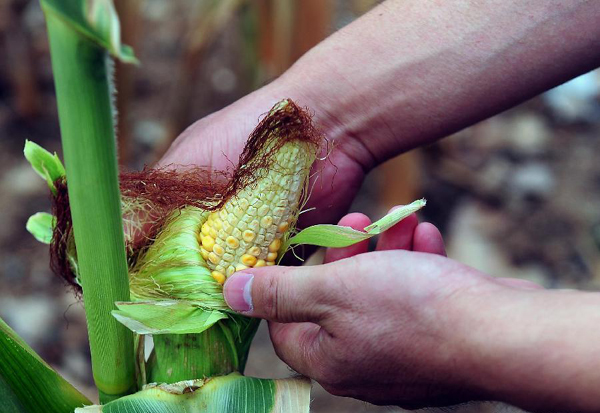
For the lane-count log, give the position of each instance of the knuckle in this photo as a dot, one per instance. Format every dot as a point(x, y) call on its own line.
point(271, 297)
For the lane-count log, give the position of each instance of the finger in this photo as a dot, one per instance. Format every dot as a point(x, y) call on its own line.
point(298, 345)
point(427, 238)
point(356, 221)
point(283, 294)
point(400, 236)
point(519, 283)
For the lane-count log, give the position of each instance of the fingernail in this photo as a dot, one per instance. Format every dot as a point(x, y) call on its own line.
point(238, 292)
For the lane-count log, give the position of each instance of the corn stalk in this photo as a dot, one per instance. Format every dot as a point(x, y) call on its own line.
point(80, 34)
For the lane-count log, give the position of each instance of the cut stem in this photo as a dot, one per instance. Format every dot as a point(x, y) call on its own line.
point(81, 75)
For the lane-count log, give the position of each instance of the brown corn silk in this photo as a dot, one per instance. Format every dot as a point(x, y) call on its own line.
point(150, 196)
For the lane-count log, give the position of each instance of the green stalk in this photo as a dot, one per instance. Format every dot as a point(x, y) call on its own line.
point(81, 75)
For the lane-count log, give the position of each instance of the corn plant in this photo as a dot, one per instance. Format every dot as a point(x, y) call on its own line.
point(150, 251)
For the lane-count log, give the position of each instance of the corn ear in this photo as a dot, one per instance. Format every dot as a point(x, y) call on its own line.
point(248, 230)
point(197, 250)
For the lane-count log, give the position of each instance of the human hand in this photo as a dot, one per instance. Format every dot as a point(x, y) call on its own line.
point(386, 327)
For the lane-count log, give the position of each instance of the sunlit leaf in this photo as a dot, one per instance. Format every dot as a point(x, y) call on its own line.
point(46, 164)
point(40, 225)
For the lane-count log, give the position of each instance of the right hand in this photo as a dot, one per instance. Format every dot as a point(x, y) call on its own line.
point(387, 327)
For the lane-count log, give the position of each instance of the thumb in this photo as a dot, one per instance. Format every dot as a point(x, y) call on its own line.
point(282, 294)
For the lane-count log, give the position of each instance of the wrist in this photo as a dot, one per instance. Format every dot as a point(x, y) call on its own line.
point(525, 347)
point(313, 85)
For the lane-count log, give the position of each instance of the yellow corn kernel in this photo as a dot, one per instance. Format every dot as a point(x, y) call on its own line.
point(254, 251)
point(204, 253)
point(249, 227)
point(208, 242)
point(275, 245)
point(217, 249)
point(248, 260)
point(232, 242)
point(218, 276)
point(212, 257)
point(266, 222)
point(248, 235)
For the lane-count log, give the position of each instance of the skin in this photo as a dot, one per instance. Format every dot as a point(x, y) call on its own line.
point(403, 324)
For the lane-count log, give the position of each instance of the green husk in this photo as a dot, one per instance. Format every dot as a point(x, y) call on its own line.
point(165, 317)
point(225, 394)
point(172, 267)
point(220, 350)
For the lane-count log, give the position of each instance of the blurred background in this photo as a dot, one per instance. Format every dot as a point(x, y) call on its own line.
point(517, 195)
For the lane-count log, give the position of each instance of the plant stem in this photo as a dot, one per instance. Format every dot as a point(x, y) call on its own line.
point(81, 75)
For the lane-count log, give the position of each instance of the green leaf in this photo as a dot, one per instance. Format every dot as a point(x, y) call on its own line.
point(394, 217)
point(28, 384)
point(41, 225)
point(327, 235)
point(165, 317)
point(336, 236)
point(47, 165)
point(95, 19)
point(225, 394)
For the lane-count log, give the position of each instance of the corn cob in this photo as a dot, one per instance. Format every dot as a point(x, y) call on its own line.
point(247, 223)
point(248, 230)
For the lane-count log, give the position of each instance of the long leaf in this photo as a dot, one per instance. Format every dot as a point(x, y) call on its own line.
point(337, 236)
point(225, 394)
point(28, 384)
